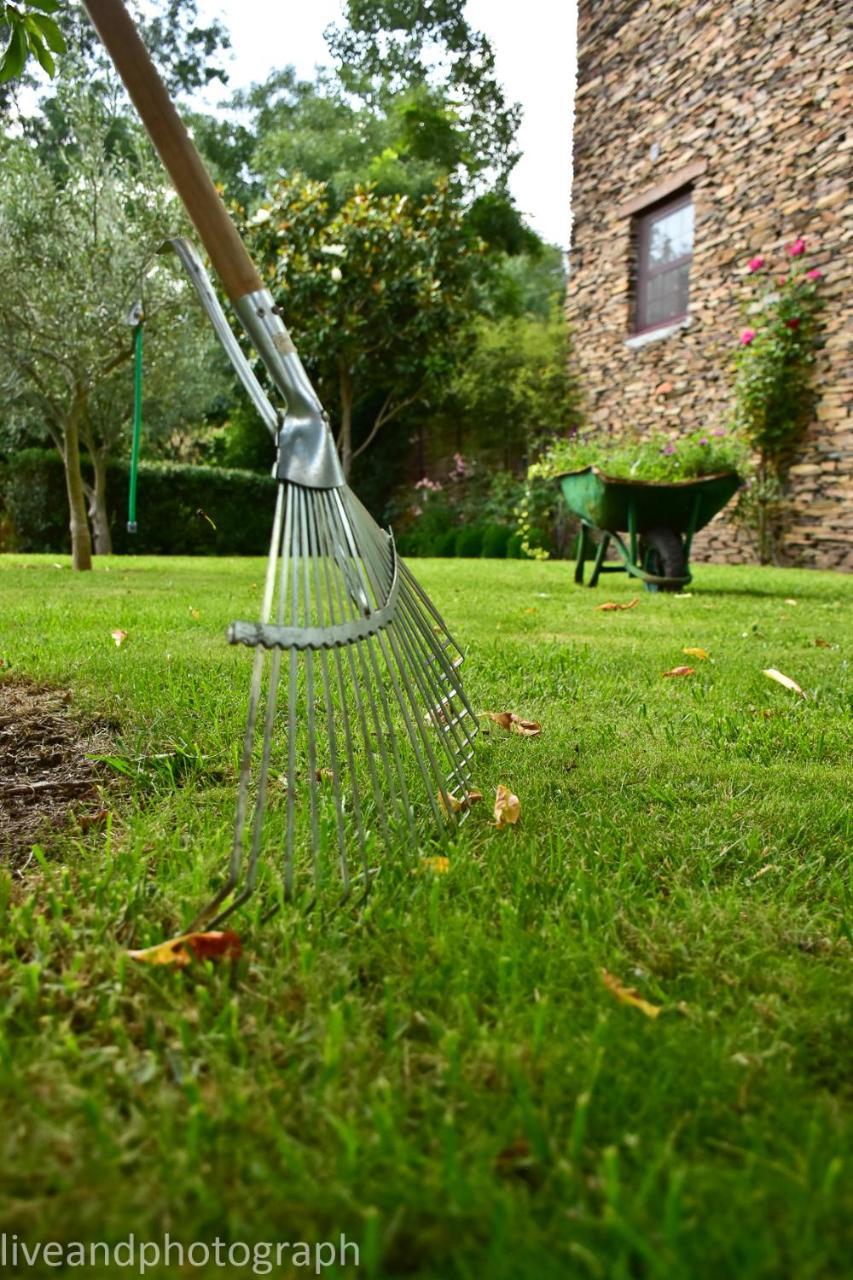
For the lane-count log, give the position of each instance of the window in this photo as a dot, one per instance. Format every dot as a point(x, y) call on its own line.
point(664, 241)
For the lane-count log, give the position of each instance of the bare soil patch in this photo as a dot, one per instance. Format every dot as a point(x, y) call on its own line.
point(45, 777)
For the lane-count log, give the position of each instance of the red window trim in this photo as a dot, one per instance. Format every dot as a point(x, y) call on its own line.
point(642, 221)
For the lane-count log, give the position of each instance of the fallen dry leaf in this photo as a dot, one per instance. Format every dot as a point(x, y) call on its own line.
point(680, 671)
point(509, 720)
point(458, 803)
point(790, 601)
point(437, 863)
point(702, 654)
point(627, 995)
point(219, 944)
point(819, 641)
point(119, 637)
point(788, 683)
point(526, 728)
point(502, 718)
point(507, 807)
point(195, 614)
point(87, 820)
point(325, 775)
point(612, 606)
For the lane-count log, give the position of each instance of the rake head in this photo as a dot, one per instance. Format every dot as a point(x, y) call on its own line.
point(356, 709)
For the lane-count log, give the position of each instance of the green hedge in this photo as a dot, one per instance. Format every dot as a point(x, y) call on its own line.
point(34, 508)
point(471, 541)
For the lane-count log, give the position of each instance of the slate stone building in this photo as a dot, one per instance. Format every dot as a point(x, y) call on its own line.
point(727, 127)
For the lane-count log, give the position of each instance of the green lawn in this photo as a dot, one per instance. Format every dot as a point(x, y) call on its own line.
point(444, 1076)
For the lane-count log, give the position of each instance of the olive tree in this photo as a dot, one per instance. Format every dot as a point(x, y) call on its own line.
point(75, 253)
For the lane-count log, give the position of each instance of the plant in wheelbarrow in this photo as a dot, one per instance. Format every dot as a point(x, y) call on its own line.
point(656, 489)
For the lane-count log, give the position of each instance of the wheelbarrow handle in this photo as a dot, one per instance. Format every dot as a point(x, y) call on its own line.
point(167, 131)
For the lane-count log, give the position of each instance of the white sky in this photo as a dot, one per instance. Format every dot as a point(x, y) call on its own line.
point(534, 43)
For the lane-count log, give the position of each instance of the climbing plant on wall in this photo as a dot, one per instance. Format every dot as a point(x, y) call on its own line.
point(775, 388)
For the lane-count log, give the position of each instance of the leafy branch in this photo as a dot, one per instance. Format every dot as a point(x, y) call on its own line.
point(32, 33)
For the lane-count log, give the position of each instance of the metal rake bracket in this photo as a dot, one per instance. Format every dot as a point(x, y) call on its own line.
point(330, 637)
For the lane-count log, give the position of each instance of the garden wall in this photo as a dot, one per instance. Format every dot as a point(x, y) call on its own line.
point(749, 102)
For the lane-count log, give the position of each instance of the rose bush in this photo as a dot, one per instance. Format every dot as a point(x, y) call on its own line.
point(774, 389)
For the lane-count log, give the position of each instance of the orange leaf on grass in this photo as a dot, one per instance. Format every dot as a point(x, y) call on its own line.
point(701, 654)
point(218, 944)
point(502, 718)
point(507, 807)
point(437, 863)
point(458, 803)
point(509, 720)
point(612, 606)
point(680, 671)
point(627, 995)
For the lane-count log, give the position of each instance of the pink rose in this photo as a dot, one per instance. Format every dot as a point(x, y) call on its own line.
point(793, 323)
point(746, 337)
point(797, 248)
point(814, 274)
point(755, 264)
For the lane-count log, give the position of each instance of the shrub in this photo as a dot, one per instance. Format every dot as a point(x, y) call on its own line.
point(444, 545)
point(239, 504)
point(495, 539)
point(469, 542)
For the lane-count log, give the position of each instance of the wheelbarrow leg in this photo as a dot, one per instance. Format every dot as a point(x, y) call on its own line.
point(584, 548)
point(599, 559)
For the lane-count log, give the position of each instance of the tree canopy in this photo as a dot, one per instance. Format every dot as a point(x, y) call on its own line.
point(377, 293)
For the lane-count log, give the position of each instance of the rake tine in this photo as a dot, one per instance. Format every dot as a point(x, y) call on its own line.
point(390, 638)
point(377, 790)
point(304, 558)
point(249, 736)
point(411, 622)
point(327, 698)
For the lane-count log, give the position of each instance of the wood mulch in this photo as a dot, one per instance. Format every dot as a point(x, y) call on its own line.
point(45, 777)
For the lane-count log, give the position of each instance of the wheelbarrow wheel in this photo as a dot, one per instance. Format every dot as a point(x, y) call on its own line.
point(663, 555)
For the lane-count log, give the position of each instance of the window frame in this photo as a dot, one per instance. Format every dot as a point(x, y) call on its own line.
point(643, 219)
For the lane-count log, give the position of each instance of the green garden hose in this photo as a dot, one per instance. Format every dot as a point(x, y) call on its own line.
point(137, 423)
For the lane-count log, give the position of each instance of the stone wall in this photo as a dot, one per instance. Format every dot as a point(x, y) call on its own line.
point(750, 102)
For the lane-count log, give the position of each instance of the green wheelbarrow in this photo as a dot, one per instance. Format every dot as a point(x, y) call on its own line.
point(660, 520)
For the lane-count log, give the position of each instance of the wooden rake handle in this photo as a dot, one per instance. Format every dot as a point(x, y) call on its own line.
point(168, 132)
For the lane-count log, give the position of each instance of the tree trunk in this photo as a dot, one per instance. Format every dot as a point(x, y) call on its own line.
point(81, 540)
point(345, 433)
point(97, 495)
